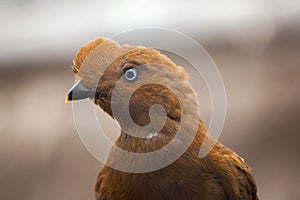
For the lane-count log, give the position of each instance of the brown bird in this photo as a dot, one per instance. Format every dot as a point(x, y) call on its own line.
point(220, 175)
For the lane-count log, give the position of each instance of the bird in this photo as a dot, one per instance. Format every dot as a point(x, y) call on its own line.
point(221, 175)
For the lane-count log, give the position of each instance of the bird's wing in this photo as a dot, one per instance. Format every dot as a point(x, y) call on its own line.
point(236, 177)
point(97, 186)
point(246, 181)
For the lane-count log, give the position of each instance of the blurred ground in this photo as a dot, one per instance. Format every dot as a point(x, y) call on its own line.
point(41, 154)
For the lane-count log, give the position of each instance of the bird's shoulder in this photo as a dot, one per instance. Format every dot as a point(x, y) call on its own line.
point(234, 174)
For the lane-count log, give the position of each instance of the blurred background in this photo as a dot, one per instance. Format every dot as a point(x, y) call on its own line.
point(255, 44)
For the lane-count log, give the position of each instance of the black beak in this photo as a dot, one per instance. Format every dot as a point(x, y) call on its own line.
point(78, 92)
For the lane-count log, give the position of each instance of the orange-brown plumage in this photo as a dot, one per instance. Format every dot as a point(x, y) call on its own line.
point(84, 52)
point(222, 174)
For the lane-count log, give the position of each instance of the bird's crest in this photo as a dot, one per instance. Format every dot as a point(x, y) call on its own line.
point(83, 52)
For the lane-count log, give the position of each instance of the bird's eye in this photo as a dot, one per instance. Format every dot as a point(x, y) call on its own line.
point(130, 74)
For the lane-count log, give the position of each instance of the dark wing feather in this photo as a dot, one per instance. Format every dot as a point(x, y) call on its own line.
point(235, 175)
point(97, 187)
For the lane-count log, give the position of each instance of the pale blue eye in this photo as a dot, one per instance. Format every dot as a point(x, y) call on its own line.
point(130, 74)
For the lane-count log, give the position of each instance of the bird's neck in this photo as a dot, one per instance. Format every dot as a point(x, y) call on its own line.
point(156, 141)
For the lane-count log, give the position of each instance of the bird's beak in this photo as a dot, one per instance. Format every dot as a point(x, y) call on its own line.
point(78, 92)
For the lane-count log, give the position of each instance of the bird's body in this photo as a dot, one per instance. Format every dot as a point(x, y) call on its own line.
point(220, 175)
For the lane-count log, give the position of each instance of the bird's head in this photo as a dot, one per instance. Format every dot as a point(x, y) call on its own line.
point(109, 74)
